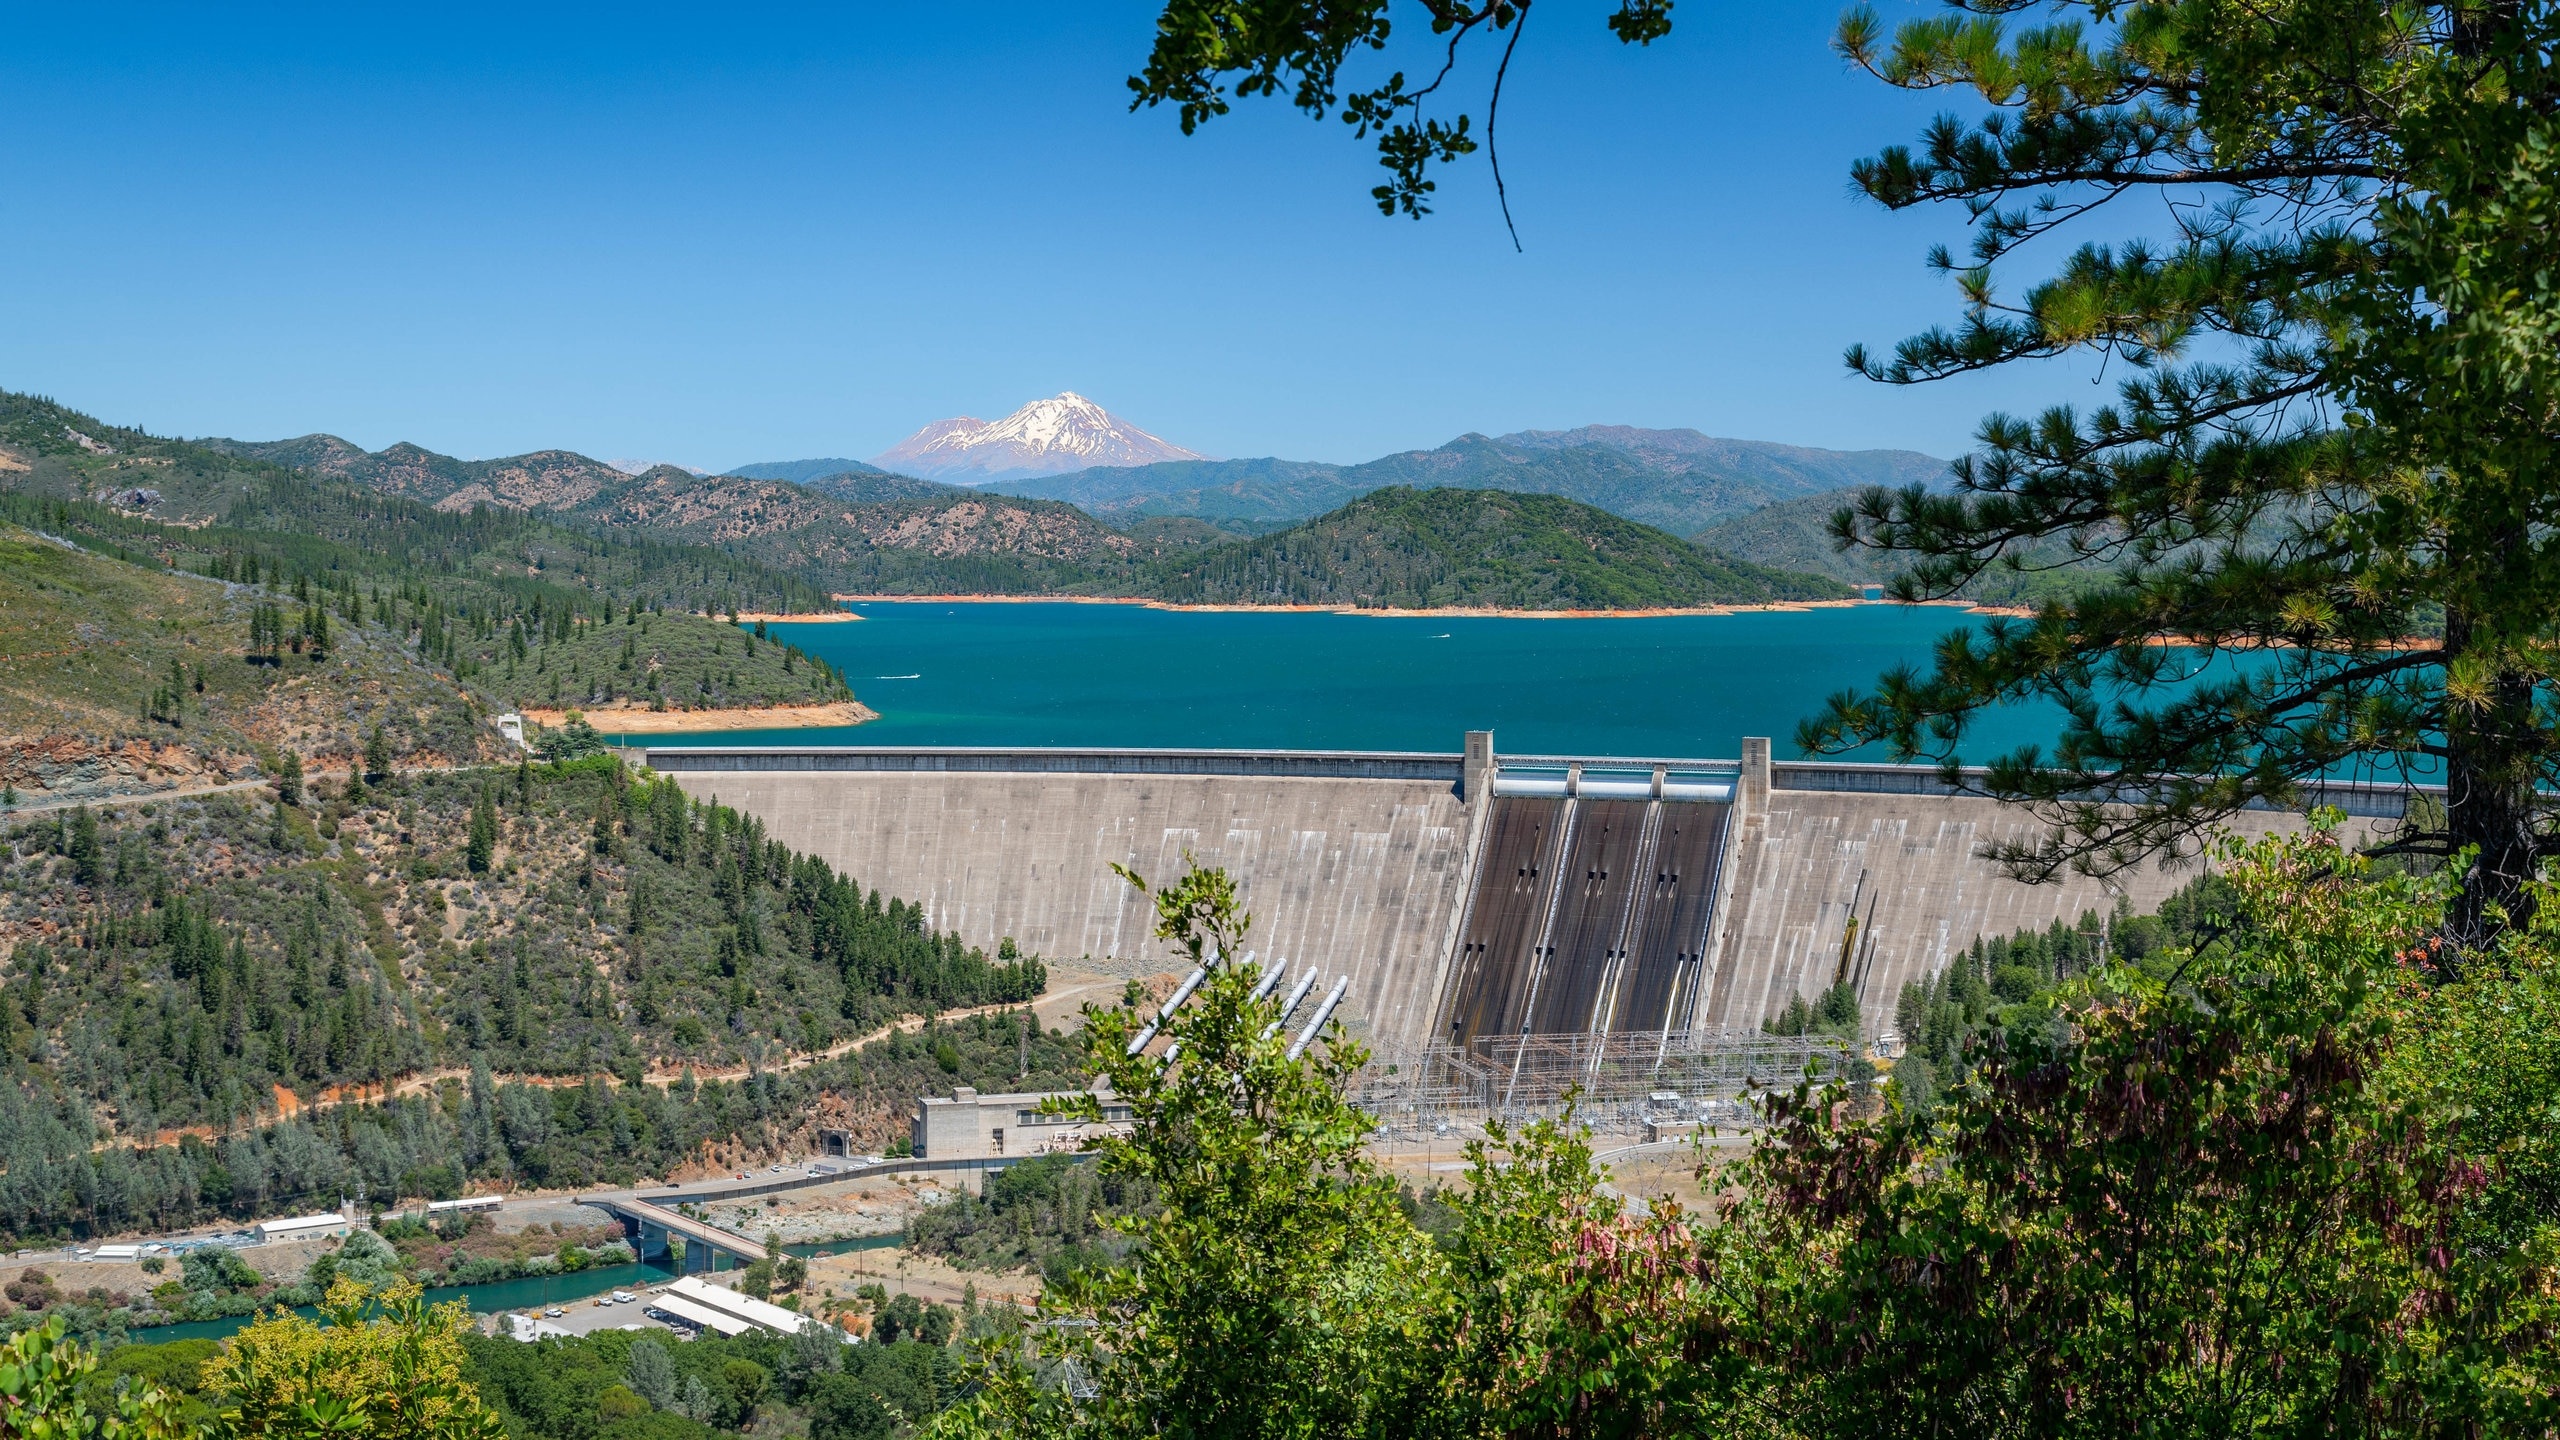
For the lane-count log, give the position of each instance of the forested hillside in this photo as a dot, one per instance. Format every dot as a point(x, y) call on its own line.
point(543, 966)
point(120, 677)
point(1795, 534)
point(1399, 548)
point(148, 498)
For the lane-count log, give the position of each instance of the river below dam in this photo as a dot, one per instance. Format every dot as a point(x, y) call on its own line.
point(1064, 674)
point(525, 1292)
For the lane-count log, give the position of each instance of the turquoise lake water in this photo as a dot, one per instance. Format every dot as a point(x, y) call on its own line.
point(942, 673)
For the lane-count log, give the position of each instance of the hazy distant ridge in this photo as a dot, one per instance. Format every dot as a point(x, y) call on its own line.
point(1677, 480)
point(801, 472)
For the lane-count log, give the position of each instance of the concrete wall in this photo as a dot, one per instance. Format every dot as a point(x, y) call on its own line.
point(1359, 864)
point(1797, 865)
point(1357, 876)
point(1811, 830)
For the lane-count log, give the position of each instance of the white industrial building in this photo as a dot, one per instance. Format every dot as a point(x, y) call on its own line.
point(302, 1227)
point(971, 1126)
point(697, 1302)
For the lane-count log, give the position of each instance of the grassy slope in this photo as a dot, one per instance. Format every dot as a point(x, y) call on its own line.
point(1400, 548)
point(90, 639)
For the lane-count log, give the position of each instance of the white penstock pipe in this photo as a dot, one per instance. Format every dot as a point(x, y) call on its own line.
point(1271, 979)
point(1264, 988)
point(1306, 982)
point(1139, 1042)
point(1324, 1012)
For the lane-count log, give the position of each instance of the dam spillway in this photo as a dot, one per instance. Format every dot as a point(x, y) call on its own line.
point(1587, 916)
point(1472, 899)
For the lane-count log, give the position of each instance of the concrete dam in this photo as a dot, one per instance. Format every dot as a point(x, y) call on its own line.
point(1476, 902)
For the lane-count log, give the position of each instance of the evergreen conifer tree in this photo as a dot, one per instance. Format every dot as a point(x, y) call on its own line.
point(2312, 535)
point(483, 845)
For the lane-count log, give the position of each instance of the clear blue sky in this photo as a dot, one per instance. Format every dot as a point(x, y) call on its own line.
point(733, 233)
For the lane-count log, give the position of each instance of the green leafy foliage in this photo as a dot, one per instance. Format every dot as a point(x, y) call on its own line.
point(375, 1365)
point(2261, 1169)
point(1053, 1214)
point(2017, 983)
point(2222, 1155)
point(1209, 50)
point(616, 1385)
point(49, 1391)
point(1278, 1261)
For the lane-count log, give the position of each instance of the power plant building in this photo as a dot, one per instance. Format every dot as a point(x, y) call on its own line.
point(967, 1125)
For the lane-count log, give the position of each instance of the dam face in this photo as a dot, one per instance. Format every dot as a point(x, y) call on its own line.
point(1348, 863)
point(1473, 902)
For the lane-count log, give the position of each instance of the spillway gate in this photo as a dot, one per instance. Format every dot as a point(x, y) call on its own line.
point(1592, 906)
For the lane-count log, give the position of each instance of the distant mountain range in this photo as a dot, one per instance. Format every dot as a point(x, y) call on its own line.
point(1064, 432)
point(865, 531)
point(1677, 480)
point(853, 526)
point(801, 472)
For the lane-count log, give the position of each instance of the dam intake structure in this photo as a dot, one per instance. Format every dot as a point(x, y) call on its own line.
point(1502, 927)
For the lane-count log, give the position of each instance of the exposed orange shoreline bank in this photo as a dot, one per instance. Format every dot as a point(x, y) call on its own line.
point(1776, 607)
point(677, 722)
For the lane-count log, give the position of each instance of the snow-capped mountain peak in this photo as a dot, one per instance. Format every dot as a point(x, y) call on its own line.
point(1046, 437)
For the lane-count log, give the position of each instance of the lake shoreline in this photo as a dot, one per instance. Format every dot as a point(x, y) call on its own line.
point(679, 722)
point(1774, 607)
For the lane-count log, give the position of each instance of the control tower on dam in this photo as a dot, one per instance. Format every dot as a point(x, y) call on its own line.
point(1471, 900)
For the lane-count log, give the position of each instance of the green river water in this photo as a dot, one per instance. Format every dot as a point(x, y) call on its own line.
point(529, 1292)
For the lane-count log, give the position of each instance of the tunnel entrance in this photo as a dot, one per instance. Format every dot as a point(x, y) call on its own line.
point(1590, 908)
